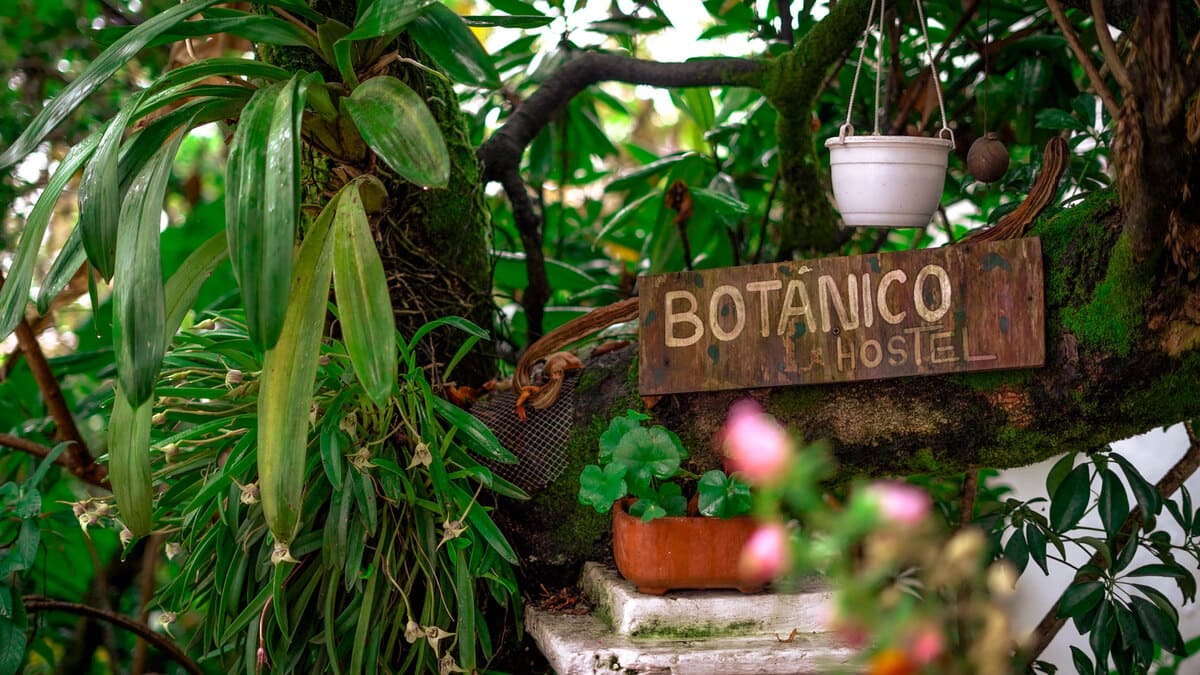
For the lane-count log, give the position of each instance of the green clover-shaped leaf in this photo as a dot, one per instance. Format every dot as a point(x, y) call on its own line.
point(647, 509)
point(671, 498)
point(648, 454)
point(617, 428)
point(723, 496)
point(600, 488)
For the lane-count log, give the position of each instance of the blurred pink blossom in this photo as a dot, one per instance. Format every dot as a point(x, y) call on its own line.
point(900, 502)
point(765, 554)
point(756, 445)
point(926, 645)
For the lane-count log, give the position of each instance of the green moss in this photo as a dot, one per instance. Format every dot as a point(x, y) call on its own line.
point(1111, 320)
point(669, 631)
point(578, 527)
point(1170, 396)
point(1074, 232)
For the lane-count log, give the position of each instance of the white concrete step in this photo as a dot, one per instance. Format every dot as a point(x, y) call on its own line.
point(703, 613)
point(687, 633)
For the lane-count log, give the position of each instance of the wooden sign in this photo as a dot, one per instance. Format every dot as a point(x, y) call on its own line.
point(965, 307)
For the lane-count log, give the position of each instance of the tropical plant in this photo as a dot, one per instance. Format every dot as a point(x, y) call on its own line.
point(647, 463)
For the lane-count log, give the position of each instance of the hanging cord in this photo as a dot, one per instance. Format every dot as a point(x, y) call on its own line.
point(937, 84)
point(878, 60)
point(847, 127)
point(987, 44)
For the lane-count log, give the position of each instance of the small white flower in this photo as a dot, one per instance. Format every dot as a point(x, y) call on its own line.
point(421, 456)
point(158, 418)
point(126, 536)
point(172, 549)
point(233, 377)
point(281, 554)
point(249, 493)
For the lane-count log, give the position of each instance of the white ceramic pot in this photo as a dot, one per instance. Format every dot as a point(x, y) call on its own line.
point(888, 181)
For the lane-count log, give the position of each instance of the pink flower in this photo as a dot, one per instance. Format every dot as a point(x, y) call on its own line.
point(756, 445)
point(765, 554)
point(900, 502)
point(926, 645)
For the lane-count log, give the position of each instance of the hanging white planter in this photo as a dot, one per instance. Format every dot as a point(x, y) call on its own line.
point(888, 181)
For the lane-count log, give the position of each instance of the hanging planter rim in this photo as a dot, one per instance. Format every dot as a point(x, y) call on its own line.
point(897, 141)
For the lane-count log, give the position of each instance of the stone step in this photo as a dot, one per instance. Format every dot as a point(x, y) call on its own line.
point(695, 614)
point(585, 645)
point(688, 632)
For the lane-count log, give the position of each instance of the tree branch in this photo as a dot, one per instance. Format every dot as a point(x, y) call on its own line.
point(504, 149)
point(537, 292)
point(34, 604)
point(1187, 465)
point(1102, 90)
point(1112, 58)
point(39, 450)
point(78, 458)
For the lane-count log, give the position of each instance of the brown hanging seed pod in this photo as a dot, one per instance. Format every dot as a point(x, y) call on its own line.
point(987, 160)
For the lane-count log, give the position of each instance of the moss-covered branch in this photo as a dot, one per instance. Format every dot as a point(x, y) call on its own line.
point(792, 84)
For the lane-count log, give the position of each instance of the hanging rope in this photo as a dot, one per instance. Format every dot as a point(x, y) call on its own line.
point(848, 128)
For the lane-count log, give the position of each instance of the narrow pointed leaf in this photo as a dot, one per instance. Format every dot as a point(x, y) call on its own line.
point(451, 44)
point(262, 204)
point(397, 125)
point(139, 304)
point(129, 462)
point(70, 258)
point(15, 293)
point(381, 17)
point(288, 376)
point(256, 28)
point(96, 73)
point(364, 306)
point(100, 195)
point(184, 285)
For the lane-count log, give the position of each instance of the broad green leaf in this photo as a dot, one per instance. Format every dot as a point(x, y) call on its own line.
point(396, 124)
point(139, 303)
point(184, 285)
point(1103, 630)
point(1114, 503)
point(1036, 542)
point(647, 454)
point(262, 204)
point(380, 18)
point(670, 497)
point(616, 430)
point(464, 592)
point(286, 385)
point(62, 270)
point(479, 439)
point(599, 488)
point(1159, 570)
point(1016, 551)
point(1059, 472)
point(1053, 118)
point(364, 304)
point(96, 73)
point(451, 44)
point(512, 267)
point(21, 555)
point(1079, 598)
point(1147, 496)
point(221, 67)
point(14, 295)
point(12, 639)
point(1070, 500)
point(1083, 665)
point(722, 496)
point(1157, 624)
point(129, 462)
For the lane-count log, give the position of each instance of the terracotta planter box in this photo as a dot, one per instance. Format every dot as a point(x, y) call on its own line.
point(692, 552)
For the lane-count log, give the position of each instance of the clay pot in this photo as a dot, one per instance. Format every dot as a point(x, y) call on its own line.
point(680, 552)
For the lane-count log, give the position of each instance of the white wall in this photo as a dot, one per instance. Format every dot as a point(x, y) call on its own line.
point(1153, 454)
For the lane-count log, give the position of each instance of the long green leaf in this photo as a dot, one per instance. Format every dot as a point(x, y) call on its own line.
point(479, 439)
point(62, 270)
point(288, 375)
point(100, 195)
point(184, 285)
point(395, 122)
point(364, 306)
point(129, 462)
point(256, 28)
point(96, 73)
point(139, 303)
point(263, 203)
point(15, 293)
point(449, 41)
point(380, 18)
